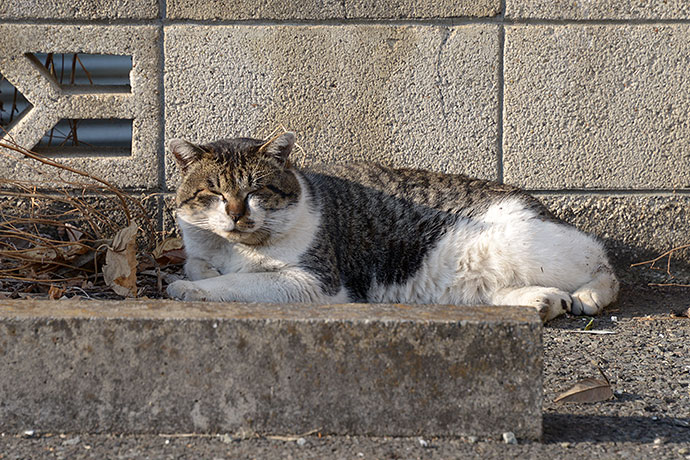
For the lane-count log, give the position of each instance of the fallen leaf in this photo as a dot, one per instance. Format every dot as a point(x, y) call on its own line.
point(73, 233)
point(55, 292)
point(587, 390)
point(120, 269)
point(170, 252)
point(589, 325)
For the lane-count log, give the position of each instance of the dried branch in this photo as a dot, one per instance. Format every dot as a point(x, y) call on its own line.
point(56, 231)
point(668, 254)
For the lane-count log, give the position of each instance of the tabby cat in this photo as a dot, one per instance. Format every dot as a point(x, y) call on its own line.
point(258, 229)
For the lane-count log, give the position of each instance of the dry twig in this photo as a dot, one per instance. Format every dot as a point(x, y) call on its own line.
point(652, 263)
point(54, 230)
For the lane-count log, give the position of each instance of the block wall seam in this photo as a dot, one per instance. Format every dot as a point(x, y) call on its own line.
point(500, 88)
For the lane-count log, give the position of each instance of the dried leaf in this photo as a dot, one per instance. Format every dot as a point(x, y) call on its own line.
point(120, 269)
point(41, 254)
point(73, 233)
point(588, 390)
point(55, 292)
point(589, 325)
point(170, 252)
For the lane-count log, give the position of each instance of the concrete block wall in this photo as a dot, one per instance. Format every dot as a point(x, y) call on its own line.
point(585, 103)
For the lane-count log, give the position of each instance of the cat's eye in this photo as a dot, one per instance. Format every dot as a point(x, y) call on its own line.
point(210, 193)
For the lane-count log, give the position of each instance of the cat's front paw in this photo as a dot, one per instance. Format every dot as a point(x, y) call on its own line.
point(186, 290)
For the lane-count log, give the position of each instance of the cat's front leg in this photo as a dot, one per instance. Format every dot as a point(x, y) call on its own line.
point(186, 290)
point(250, 287)
point(199, 269)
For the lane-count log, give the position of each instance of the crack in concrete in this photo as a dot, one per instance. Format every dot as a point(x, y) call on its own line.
point(447, 32)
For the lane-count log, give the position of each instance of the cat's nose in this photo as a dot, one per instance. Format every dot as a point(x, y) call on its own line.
point(235, 209)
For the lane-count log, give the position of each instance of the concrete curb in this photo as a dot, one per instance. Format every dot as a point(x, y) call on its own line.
point(163, 366)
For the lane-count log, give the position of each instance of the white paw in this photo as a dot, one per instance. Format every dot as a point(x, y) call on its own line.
point(587, 302)
point(186, 290)
point(551, 302)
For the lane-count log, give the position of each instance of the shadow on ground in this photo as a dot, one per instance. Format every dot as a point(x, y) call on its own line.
point(607, 428)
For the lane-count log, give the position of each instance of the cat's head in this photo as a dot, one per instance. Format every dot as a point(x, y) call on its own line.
point(240, 189)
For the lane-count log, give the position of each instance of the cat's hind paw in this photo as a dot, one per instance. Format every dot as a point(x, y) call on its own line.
point(186, 290)
point(549, 302)
point(552, 302)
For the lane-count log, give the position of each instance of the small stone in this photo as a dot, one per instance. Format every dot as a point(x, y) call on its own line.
point(509, 437)
point(658, 441)
point(472, 439)
point(619, 392)
point(71, 442)
point(301, 442)
point(565, 445)
point(29, 433)
point(226, 438)
point(423, 442)
point(683, 451)
point(614, 319)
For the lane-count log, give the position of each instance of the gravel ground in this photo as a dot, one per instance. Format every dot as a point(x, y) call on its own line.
point(647, 360)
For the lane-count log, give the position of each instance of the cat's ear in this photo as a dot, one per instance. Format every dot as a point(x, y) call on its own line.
point(185, 153)
point(280, 147)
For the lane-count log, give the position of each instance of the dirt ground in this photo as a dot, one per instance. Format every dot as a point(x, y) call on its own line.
point(647, 360)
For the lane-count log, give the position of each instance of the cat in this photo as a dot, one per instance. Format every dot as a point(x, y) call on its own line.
point(257, 229)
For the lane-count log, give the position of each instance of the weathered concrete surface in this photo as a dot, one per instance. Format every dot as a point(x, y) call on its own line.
point(635, 227)
point(254, 9)
point(141, 102)
point(598, 9)
point(329, 9)
point(420, 96)
point(199, 367)
point(79, 9)
point(421, 8)
point(601, 106)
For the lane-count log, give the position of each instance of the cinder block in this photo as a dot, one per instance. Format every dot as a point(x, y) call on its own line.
point(419, 96)
point(51, 102)
point(164, 366)
point(597, 9)
point(635, 227)
point(79, 9)
point(330, 9)
point(400, 9)
point(256, 9)
point(597, 106)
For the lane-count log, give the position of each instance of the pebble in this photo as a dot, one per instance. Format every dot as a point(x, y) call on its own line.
point(226, 438)
point(614, 319)
point(71, 441)
point(472, 439)
point(658, 441)
point(509, 437)
point(29, 433)
point(423, 442)
point(565, 445)
point(301, 442)
point(683, 451)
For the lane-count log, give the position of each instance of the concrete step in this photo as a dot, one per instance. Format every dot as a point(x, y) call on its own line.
point(168, 367)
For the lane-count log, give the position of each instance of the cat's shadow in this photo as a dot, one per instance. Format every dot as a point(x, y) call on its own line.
point(608, 428)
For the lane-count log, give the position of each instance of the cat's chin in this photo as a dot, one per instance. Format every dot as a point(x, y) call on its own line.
point(251, 236)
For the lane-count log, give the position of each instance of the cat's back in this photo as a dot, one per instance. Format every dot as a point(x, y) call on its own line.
point(455, 194)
